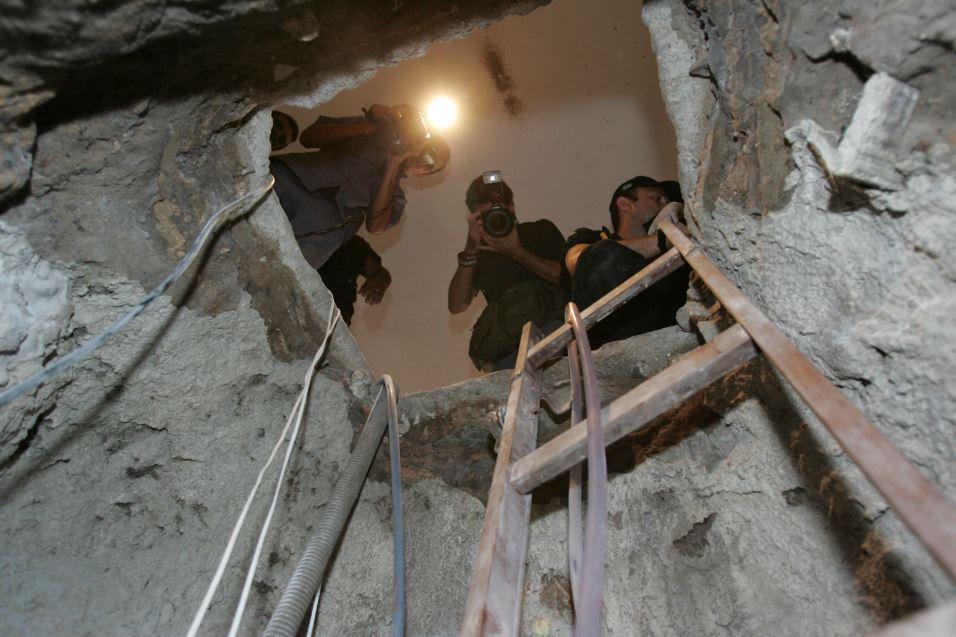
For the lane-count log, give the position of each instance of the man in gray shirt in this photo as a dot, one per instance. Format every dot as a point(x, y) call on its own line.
point(352, 179)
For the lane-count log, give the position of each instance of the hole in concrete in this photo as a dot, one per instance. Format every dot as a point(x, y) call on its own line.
point(565, 114)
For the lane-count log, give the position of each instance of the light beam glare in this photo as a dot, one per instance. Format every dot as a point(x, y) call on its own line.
point(441, 113)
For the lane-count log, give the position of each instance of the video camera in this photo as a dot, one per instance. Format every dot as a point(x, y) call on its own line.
point(407, 125)
point(498, 221)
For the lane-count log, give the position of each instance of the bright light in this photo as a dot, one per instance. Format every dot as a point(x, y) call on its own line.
point(441, 113)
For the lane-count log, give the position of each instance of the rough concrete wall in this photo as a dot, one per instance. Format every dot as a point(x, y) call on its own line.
point(123, 126)
point(817, 150)
point(736, 515)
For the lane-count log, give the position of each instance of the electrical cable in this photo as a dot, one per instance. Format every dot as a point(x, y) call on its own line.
point(398, 510)
point(334, 315)
point(64, 363)
point(217, 577)
point(588, 618)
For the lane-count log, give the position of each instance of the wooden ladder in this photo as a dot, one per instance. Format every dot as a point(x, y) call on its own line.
point(494, 598)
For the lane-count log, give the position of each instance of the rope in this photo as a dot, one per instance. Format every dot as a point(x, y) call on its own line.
point(296, 414)
point(90, 346)
point(310, 374)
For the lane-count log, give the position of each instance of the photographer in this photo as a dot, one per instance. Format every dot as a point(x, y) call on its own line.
point(516, 266)
point(600, 260)
point(353, 178)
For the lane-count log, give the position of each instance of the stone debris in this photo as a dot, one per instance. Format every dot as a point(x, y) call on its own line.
point(867, 153)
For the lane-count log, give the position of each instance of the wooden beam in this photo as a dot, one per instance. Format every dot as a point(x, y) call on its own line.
point(559, 339)
point(915, 499)
point(497, 584)
point(637, 408)
point(939, 621)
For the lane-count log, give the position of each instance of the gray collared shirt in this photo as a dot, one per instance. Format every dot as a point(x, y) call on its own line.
point(326, 194)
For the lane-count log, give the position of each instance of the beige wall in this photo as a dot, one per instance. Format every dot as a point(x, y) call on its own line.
point(592, 117)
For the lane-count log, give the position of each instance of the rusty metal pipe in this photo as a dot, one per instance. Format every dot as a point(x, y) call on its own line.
point(575, 539)
point(588, 618)
point(916, 500)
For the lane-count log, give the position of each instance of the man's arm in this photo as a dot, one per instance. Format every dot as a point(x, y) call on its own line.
point(377, 279)
point(461, 290)
point(572, 255)
point(582, 239)
point(511, 247)
point(646, 246)
point(328, 131)
point(376, 221)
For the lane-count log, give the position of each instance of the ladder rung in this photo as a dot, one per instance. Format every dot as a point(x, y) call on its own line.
point(556, 341)
point(637, 408)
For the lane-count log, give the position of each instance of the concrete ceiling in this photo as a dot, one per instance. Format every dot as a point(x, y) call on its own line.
point(575, 110)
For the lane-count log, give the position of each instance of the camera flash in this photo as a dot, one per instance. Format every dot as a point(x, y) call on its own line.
point(491, 177)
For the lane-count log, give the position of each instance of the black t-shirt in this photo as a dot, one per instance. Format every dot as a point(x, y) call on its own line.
point(340, 273)
point(587, 235)
point(495, 273)
point(599, 273)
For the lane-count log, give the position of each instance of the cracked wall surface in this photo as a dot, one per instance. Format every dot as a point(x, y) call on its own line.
point(123, 126)
point(817, 148)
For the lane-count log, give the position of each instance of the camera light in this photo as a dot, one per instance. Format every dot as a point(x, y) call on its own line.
point(442, 113)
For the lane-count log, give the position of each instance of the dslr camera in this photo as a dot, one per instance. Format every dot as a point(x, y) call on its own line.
point(498, 221)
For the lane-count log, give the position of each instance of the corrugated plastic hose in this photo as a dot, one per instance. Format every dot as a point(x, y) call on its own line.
point(308, 574)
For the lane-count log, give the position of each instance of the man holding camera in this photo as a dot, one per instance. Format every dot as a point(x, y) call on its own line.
point(600, 260)
point(353, 178)
point(517, 266)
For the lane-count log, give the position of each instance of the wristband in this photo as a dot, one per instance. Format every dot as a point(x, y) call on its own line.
point(466, 260)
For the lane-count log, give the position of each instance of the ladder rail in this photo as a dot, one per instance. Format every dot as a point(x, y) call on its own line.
point(494, 597)
point(916, 500)
point(575, 530)
point(587, 621)
point(494, 601)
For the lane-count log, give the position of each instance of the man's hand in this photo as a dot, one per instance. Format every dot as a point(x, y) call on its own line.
point(476, 232)
point(508, 245)
point(671, 212)
point(374, 287)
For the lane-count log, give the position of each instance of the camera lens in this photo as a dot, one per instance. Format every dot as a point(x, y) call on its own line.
point(498, 221)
